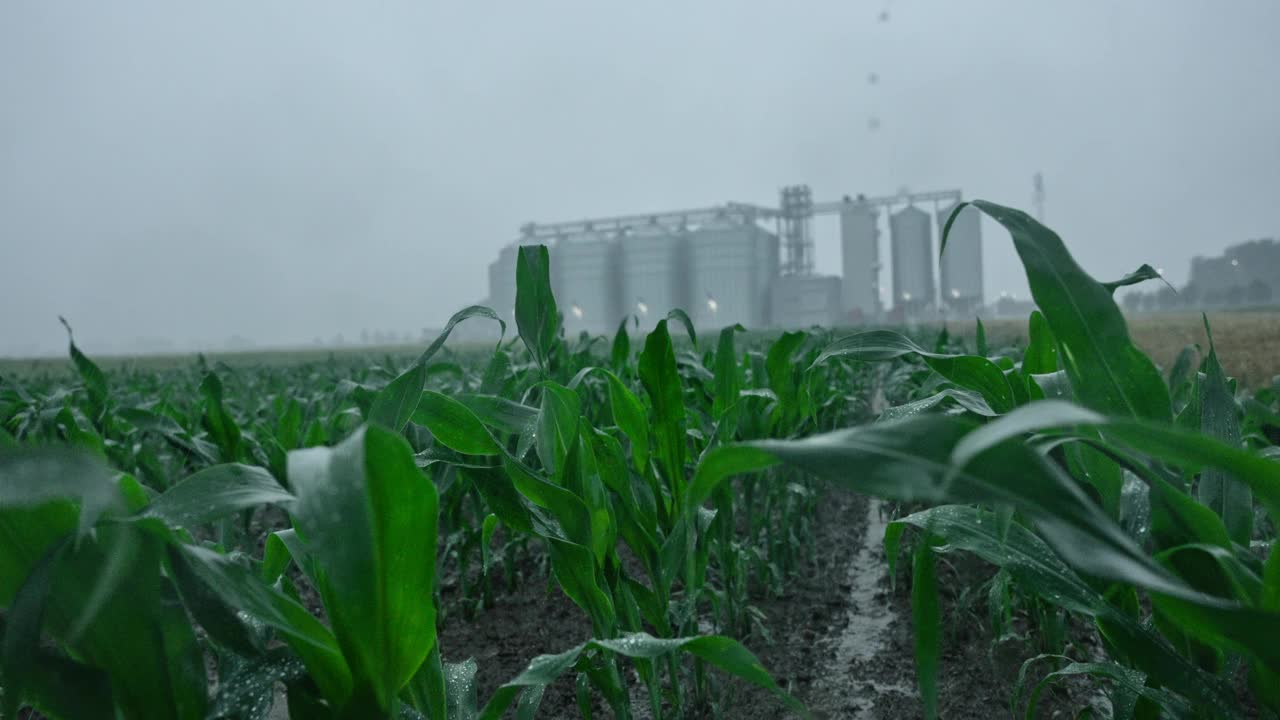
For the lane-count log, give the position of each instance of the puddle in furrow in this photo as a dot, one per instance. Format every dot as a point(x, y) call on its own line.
point(867, 621)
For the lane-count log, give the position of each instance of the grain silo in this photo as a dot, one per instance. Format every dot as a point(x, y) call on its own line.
point(725, 284)
point(860, 261)
point(585, 275)
point(961, 264)
point(912, 248)
point(654, 273)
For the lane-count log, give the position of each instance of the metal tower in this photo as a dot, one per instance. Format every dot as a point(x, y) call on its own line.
point(796, 209)
point(1037, 195)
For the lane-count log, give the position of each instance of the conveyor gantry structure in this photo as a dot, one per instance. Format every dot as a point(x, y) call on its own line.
point(798, 210)
point(672, 220)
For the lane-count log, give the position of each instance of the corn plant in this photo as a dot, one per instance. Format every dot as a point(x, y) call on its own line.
point(1028, 470)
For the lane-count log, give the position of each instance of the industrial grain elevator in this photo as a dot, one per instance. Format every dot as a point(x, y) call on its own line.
point(912, 249)
point(859, 261)
point(961, 264)
point(654, 272)
point(586, 282)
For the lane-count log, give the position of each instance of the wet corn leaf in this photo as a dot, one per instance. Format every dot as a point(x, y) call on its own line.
point(1125, 687)
point(1224, 494)
point(722, 652)
point(1041, 355)
point(926, 625)
point(454, 425)
point(971, 372)
point(367, 515)
point(395, 404)
point(217, 492)
point(1108, 373)
point(537, 318)
point(1142, 274)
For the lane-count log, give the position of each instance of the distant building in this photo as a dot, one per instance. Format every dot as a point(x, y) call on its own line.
point(1245, 274)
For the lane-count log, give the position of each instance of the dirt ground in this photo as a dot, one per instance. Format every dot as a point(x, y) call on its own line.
point(841, 638)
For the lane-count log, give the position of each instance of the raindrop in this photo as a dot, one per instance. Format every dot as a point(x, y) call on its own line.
point(873, 123)
point(873, 78)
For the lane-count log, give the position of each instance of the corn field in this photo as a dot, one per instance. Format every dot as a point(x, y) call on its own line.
point(218, 542)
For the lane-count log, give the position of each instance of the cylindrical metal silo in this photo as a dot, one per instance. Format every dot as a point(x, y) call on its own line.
point(911, 242)
point(653, 270)
point(860, 262)
point(725, 284)
point(502, 283)
point(961, 265)
point(585, 274)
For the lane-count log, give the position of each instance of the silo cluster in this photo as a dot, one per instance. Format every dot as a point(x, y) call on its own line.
point(720, 271)
point(722, 267)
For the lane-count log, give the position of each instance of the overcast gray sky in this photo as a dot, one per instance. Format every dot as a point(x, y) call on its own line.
point(289, 170)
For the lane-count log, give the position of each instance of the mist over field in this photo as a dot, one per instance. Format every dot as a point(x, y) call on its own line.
point(208, 175)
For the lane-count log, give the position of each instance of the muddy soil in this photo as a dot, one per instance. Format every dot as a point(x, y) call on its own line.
point(841, 638)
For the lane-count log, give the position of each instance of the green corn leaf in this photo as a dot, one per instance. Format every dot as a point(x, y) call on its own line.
point(628, 413)
point(239, 588)
point(1126, 686)
point(620, 352)
point(486, 538)
point(24, 619)
point(558, 416)
point(289, 428)
point(1226, 495)
point(682, 317)
point(248, 690)
point(722, 652)
point(216, 492)
point(1108, 373)
point(1214, 570)
point(501, 414)
point(395, 404)
point(926, 622)
point(972, 372)
point(727, 379)
point(1184, 368)
point(95, 381)
point(501, 497)
point(662, 382)
point(912, 461)
point(368, 516)
point(966, 399)
point(537, 318)
point(1035, 568)
point(219, 618)
point(47, 679)
point(460, 689)
point(782, 372)
point(31, 477)
point(1176, 518)
point(1041, 356)
point(183, 656)
point(1142, 274)
point(454, 425)
point(575, 569)
point(275, 557)
point(980, 339)
point(428, 690)
point(218, 421)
